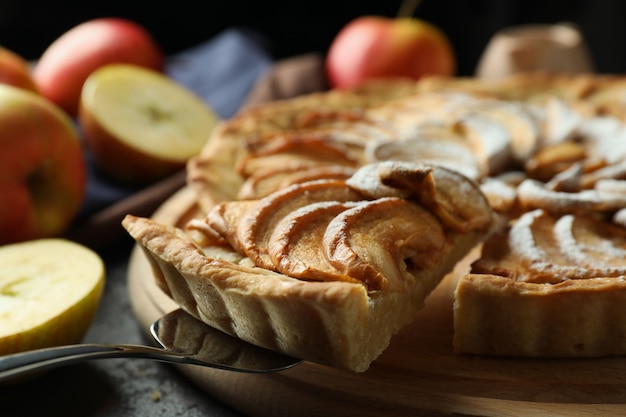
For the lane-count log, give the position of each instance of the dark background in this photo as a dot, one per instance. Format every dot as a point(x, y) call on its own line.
point(293, 27)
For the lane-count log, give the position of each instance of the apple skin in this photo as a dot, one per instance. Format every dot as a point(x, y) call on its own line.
point(119, 161)
point(15, 70)
point(67, 62)
point(56, 286)
point(372, 47)
point(43, 173)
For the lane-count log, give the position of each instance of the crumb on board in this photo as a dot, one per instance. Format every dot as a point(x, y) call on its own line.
point(156, 395)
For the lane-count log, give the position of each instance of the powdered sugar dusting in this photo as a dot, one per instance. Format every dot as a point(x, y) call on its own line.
point(522, 240)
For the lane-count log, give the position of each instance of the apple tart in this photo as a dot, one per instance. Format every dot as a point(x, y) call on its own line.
point(325, 221)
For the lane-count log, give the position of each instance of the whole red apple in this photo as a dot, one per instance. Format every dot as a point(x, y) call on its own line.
point(68, 61)
point(379, 47)
point(42, 169)
point(15, 70)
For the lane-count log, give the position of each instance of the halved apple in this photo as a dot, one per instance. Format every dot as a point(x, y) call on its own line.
point(50, 290)
point(141, 125)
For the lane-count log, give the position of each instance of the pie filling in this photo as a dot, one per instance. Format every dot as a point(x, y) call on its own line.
point(376, 227)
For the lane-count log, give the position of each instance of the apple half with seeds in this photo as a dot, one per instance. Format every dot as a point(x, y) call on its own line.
point(50, 290)
point(141, 125)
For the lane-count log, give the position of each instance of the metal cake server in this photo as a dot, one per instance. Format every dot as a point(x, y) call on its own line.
point(184, 340)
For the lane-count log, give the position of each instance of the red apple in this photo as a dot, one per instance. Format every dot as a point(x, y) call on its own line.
point(42, 170)
point(15, 70)
point(378, 47)
point(68, 61)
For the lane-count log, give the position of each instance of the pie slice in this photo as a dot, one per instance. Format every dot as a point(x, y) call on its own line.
point(334, 272)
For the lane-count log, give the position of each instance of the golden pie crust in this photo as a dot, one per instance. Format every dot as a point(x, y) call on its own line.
point(326, 220)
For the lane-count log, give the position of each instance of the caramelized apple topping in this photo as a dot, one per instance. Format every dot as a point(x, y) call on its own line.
point(534, 194)
point(383, 223)
point(296, 244)
point(406, 236)
point(540, 247)
point(454, 198)
point(249, 227)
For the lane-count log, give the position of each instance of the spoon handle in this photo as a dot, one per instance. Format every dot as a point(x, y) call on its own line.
point(24, 363)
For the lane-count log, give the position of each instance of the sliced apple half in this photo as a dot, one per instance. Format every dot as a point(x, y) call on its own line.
point(140, 124)
point(50, 290)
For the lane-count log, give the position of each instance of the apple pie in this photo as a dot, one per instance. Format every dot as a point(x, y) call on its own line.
point(326, 270)
point(326, 220)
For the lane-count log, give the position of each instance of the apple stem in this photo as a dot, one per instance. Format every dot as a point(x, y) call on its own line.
point(407, 8)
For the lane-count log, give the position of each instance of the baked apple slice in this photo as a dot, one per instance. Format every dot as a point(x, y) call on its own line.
point(296, 244)
point(567, 247)
point(523, 127)
point(263, 183)
point(258, 219)
point(220, 220)
point(450, 151)
point(592, 244)
point(379, 240)
point(451, 196)
point(489, 139)
point(295, 149)
point(534, 194)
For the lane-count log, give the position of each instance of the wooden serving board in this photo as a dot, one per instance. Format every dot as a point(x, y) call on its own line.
point(418, 375)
